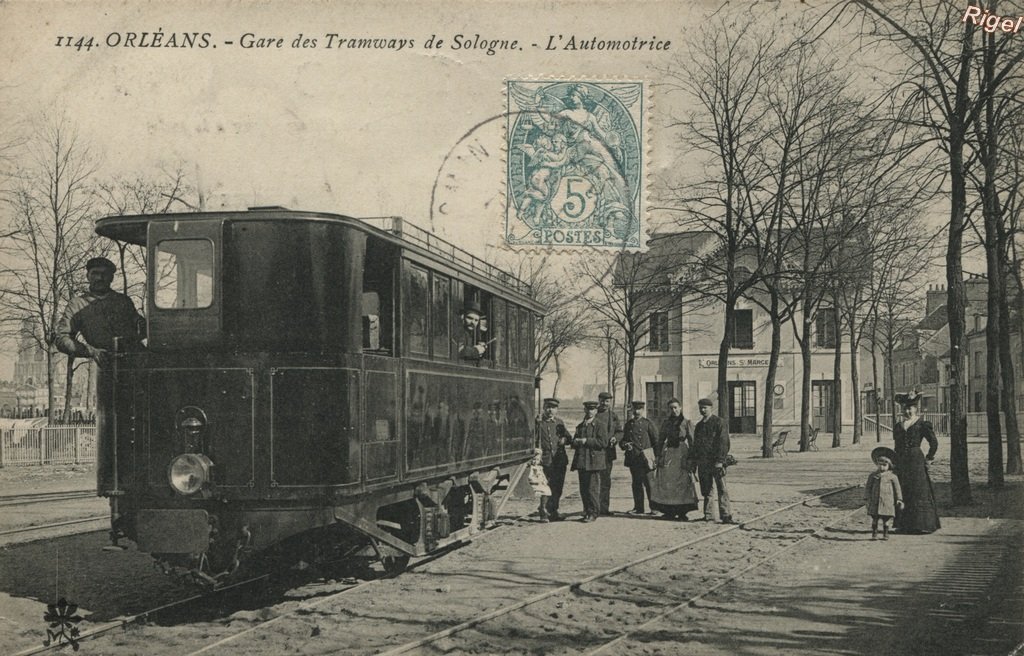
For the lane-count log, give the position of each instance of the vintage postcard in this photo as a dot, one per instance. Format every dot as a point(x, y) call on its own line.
point(511, 327)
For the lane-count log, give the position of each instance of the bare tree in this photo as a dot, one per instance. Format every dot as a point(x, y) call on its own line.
point(170, 191)
point(566, 324)
point(942, 50)
point(50, 207)
point(726, 75)
point(627, 295)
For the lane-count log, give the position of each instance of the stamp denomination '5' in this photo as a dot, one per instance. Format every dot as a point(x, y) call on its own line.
point(575, 163)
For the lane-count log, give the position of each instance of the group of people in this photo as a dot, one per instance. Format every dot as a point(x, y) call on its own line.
point(900, 489)
point(666, 464)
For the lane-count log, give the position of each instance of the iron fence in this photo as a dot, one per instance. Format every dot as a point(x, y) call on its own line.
point(48, 445)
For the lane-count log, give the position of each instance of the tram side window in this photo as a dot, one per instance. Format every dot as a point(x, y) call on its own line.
point(525, 338)
point(513, 336)
point(440, 319)
point(378, 297)
point(417, 309)
point(184, 274)
point(498, 328)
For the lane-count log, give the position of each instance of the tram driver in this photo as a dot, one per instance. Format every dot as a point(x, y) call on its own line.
point(474, 326)
point(92, 321)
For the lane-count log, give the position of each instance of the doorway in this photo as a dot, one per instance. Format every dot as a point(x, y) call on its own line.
point(742, 406)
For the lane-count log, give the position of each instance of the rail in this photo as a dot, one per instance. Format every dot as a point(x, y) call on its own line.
point(434, 244)
point(869, 427)
point(48, 445)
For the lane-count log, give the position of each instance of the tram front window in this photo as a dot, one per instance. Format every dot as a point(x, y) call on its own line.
point(184, 274)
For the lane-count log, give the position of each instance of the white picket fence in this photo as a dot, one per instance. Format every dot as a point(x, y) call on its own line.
point(48, 445)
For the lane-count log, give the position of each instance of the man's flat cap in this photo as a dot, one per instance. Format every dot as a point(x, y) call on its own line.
point(604, 395)
point(705, 401)
point(100, 263)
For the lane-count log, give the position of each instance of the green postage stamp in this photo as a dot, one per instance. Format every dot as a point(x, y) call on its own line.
point(575, 163)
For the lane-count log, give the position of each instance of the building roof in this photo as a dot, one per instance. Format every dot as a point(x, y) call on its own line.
point(936, 320)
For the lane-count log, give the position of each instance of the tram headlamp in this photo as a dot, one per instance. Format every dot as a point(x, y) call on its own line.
point(189, 472)
point(192, 423)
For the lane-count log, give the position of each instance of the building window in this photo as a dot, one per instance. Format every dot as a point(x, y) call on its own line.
point(825, 328)
point(658, 335)
point(742, 329)
point(658, 395)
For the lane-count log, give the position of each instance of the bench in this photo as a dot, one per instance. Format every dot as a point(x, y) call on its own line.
point(812, 439)
point(779, 445)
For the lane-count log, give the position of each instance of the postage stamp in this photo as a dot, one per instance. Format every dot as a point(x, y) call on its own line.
point(575, 163)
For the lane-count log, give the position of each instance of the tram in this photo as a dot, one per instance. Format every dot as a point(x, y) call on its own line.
point(304, 385)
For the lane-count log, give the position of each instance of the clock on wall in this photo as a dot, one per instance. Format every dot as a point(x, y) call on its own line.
point(779, 389)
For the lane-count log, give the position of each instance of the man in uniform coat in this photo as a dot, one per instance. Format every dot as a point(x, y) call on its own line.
point(613, 425)
point(710, 447)
point(552, 438)
point(590, 442)
point(637, 435)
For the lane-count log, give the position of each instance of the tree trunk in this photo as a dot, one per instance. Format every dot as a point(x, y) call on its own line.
point(805, 387)
point(878, 396)
point(858, 410)
point(1013, 455)
point(960, 480)
point(890, 382)
point(988, 149)
point(769, 379)
point(723, 358)
point(837, 379)
point(630, 362)
point(69, 377)
point(1009, 397)
point(558, 376)
point(51, 393)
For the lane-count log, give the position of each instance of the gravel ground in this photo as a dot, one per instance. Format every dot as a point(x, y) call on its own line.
point(837, 593)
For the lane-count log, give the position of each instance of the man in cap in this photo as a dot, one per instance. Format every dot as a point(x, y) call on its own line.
point(638, 436)
point(552, 437)
point(473, 347)
point(590, 443)
point(98, 317)
point(613, 426)
point(710, 447)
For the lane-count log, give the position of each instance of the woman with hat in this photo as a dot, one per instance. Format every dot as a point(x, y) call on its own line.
point(919, 513)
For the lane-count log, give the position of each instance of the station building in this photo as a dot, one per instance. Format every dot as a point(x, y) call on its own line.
point(680, 359)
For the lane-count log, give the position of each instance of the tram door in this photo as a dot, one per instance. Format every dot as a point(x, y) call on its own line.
point(823, 416)
point(742, 406)
point(380, 430)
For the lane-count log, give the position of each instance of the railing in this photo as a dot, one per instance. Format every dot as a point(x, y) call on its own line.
point(49, 445)
point(431, 242)
point(977, 423)
point(884, 430)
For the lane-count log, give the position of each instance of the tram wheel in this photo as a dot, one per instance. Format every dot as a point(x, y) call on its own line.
point(395, 565)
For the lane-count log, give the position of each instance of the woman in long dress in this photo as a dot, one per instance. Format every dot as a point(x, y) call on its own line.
point(673, 491)
point(919, 513)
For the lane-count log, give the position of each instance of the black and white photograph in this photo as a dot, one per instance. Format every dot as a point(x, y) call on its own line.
point(512, 327)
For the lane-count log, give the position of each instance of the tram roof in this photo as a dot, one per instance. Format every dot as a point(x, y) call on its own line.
point(133, 229)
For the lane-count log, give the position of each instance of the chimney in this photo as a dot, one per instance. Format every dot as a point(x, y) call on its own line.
point(936, 298)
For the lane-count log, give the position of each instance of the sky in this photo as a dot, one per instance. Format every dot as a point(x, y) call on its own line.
point(359, 132)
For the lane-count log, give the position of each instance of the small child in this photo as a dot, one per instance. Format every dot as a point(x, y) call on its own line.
point(883, 495)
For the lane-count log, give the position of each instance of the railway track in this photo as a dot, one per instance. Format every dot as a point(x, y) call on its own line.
point(635, 596)
point(45, 527)
point(778, 531)
point(14, 500)
point(45, 497)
